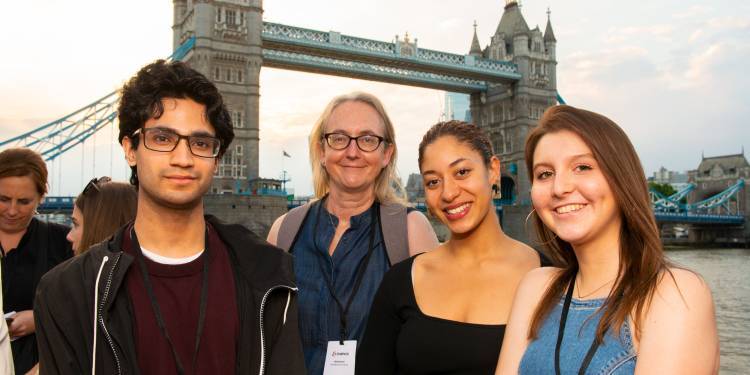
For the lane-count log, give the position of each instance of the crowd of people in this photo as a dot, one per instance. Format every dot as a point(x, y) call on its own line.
point(355, 281)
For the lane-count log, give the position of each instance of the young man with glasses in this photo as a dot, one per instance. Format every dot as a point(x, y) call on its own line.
point(175, 292)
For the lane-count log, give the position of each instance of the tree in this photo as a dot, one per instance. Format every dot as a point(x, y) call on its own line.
point(663, 189)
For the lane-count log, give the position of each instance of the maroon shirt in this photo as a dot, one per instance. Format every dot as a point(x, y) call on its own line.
point(178, 289)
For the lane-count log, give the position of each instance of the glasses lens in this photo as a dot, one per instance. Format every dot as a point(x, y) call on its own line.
point(160, 140)
point(204, 146)
point(368, 142)
point(338, 141)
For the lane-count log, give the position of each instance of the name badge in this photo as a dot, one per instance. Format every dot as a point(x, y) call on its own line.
point(340, 358)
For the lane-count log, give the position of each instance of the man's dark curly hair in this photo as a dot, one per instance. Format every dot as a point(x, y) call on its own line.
point(141, 99)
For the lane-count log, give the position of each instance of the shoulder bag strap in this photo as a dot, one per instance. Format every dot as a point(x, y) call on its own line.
point(393, 228)
point(290, 226)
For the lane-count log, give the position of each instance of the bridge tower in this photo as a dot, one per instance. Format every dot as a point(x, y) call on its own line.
point(507, 112)
point(228, 51)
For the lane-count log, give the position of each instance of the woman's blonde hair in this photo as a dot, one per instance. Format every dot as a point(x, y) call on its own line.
point(388, 188)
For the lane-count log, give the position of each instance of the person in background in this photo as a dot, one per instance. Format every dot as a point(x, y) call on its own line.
point(29, 247)
point(6, 355)
point(616, 305)
point(444, 311)
point(345, 241)
point(99, 211)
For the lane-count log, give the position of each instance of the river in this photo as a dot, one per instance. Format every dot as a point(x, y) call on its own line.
point(727, 271)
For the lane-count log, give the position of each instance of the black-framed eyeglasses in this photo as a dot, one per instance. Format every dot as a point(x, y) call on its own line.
point(94, 184)
point(365, 142)
point(165, 140)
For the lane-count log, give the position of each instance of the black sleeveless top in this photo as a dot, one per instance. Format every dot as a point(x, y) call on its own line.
point(400, 339)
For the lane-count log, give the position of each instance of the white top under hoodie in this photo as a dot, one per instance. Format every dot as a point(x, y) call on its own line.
point(6, 357)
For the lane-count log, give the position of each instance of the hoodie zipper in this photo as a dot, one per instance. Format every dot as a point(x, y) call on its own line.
point(262, 337)
point(101, 316)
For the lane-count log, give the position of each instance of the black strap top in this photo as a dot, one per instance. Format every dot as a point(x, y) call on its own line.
point(400, 339)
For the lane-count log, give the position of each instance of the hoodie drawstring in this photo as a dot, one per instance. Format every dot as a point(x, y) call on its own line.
point(96, 311)
point(286, 308)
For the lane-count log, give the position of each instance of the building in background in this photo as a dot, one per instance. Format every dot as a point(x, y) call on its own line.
point(678, 180)
point(456, 107)
point(414, 188)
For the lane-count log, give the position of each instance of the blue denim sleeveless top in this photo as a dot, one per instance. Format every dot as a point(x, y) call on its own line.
point(319, 320)
point(615, 356)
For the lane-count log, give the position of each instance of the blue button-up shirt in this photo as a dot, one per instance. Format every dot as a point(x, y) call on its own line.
point(319, 316)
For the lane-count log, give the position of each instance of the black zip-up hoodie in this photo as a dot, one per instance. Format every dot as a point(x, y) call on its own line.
point(65, 305)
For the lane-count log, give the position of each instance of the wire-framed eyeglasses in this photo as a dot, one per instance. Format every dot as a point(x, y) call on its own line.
point(365, 142)
point(166, 140)
point(93, 185)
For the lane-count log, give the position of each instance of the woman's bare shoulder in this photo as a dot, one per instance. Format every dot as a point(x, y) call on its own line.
point(680, 288)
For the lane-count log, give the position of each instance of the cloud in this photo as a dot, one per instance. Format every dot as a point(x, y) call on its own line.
point(692, 12)
point(700, 64)
point(628, 33)
point(452, 23)
point(729, 22)
point(593, 72)
point(695, 35)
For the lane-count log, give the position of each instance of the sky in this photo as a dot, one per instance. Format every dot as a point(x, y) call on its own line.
point(671, 73)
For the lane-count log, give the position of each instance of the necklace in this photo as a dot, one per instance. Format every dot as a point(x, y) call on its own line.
point(578, 289)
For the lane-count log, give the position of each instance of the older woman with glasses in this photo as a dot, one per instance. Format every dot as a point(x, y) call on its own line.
point(102, 208)
point(345, 241)
point(29, 247)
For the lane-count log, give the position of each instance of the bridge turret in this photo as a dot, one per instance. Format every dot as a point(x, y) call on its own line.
point(550, 46)
point(476, 49)
point(549, 37)
point(508, 112)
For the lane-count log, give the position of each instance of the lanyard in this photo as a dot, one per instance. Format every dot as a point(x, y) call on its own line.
point(155, 303)
point(375, 214)
point(563, 318)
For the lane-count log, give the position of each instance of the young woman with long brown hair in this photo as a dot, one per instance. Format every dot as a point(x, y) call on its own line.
point(616, 306)
point(99, 211)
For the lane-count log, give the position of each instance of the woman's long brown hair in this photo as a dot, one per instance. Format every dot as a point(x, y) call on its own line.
point(105, 209)
point(642, 262)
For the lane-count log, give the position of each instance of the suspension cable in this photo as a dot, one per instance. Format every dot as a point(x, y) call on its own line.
point(93, 158)
point(111, 146)
point(83, 158)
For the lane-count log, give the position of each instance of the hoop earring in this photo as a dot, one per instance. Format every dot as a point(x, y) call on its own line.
point(496, 192)
point(526, 229)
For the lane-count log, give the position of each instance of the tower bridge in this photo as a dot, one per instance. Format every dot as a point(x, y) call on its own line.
point(511, 81)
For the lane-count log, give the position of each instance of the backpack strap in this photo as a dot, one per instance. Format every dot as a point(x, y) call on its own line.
point(290, 226)
point(393, 228)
